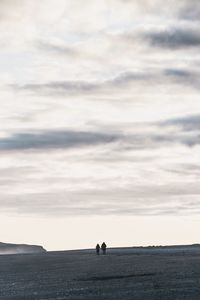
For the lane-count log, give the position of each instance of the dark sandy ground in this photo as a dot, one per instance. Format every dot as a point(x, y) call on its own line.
point(144, 274)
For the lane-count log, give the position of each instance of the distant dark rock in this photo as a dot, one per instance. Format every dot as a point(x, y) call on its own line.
point(20, 249)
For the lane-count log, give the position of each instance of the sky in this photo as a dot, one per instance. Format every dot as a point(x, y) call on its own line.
point(100, 122)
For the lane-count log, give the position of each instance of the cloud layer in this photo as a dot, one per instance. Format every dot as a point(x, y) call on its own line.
point(99, 107)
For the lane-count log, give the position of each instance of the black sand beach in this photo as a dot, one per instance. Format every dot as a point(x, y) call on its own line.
point(127, 273)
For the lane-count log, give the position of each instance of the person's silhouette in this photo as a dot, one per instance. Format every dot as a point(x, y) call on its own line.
point(97, 249)
point(103, 247)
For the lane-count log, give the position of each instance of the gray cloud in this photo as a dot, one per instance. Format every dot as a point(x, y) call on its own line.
point(190, 10)
point(84, 86)
point(184, 77)
point(185, 133)
point(141, 200)
point(54, 140)
point(187, 123)
point(184, 169)
point(57, 48)
point(156, 140)
point(187, 76)
point(60, 87)
point(179, 74)
point(186, 140)
point(174, 38)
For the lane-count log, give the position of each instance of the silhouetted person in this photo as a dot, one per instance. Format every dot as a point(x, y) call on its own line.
point(103, 248)
point(97, 249)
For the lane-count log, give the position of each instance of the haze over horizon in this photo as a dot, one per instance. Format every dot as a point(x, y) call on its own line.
point(100, 119)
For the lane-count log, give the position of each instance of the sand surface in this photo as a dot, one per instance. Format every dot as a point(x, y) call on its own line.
point(143, 274)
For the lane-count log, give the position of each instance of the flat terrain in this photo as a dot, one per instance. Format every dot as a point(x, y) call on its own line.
point(138, 273)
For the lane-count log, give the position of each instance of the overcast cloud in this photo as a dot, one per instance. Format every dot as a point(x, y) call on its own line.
point(100, 111)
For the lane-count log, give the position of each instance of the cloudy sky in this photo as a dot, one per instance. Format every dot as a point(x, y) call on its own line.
point(100, 119)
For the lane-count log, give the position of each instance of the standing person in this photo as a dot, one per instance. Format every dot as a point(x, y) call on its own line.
point(103, 248)
point(97, 249)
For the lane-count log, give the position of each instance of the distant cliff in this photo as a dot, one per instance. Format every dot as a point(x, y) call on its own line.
point(19, 249)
